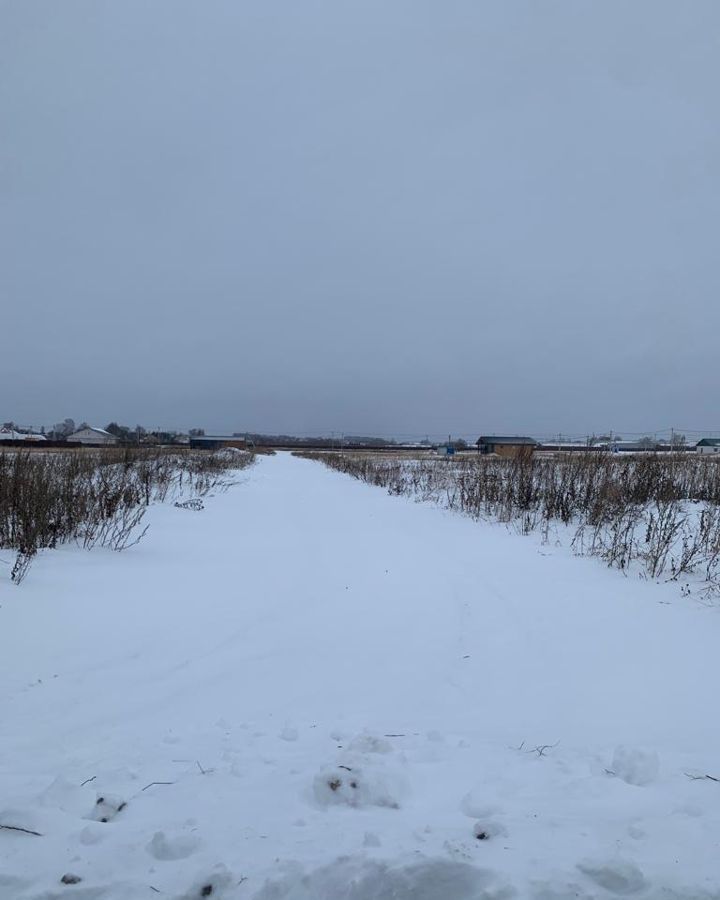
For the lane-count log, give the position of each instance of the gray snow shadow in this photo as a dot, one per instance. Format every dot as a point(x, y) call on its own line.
point(361, 879)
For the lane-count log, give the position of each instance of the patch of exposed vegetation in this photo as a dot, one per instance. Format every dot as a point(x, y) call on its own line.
point(97, 497)
point(660, 513)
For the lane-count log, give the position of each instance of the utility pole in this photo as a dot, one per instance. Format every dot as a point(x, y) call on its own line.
point(672, 455)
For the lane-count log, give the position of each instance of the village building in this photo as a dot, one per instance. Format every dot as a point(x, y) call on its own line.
point(508, 446)
point(92, 436)
point(708, 445)
point(9, 434)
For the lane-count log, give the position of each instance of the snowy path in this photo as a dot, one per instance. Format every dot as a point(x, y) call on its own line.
point(245, 651)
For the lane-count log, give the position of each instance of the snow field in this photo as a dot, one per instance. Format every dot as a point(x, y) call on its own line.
point(311, 690)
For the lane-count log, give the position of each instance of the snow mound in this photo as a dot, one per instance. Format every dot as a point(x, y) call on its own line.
point(474, 804)
point(91, 835)
point(359, 786)
point(635, 765)
point(360, 879)
point(171, 847)
point(364, 776)
point(107, 807)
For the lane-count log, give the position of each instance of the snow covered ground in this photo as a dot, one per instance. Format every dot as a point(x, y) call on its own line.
point(311, 689)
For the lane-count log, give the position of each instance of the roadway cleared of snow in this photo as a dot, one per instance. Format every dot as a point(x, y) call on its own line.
point(311, 689)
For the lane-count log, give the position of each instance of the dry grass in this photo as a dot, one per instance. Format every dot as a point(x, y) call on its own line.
point(96, 497)
point(658, 513)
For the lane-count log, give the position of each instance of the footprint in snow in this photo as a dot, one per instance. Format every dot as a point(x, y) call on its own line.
point(215, 885)
point(487, 829)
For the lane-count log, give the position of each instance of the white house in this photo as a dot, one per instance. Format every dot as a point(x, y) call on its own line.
point(92, 435)
point(708, 445)
point(8, 434)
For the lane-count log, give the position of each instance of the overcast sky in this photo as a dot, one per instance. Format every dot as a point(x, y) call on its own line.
point(389, 216)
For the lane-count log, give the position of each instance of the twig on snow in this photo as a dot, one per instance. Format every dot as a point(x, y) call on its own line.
point(701, 777)
point(156, 782)
point(18, 828)
point(88, 780)
point(541, 749)
point(200, 767)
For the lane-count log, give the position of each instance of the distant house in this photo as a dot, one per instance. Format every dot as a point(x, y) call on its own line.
point(92, 436)
point(9, 434)
point(506, 445)
point(708, 445)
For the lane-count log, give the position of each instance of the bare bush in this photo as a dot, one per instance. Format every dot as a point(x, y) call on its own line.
point(97, 497)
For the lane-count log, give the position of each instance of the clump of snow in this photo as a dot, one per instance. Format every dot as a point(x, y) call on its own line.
point(107, 807)
point(359, 786)
point(172, 847)
point(289, 734)
point(91, 834)
point(635, 765)
point(364, 775)
point(474, 804)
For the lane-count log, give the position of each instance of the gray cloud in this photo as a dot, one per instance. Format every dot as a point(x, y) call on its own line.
point(404, 217)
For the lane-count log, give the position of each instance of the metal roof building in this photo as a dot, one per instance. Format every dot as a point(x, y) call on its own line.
point(506, 445)
point(708, 445)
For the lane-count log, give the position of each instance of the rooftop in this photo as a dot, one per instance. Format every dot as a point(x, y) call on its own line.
point(93, 428)
point(506, 439)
